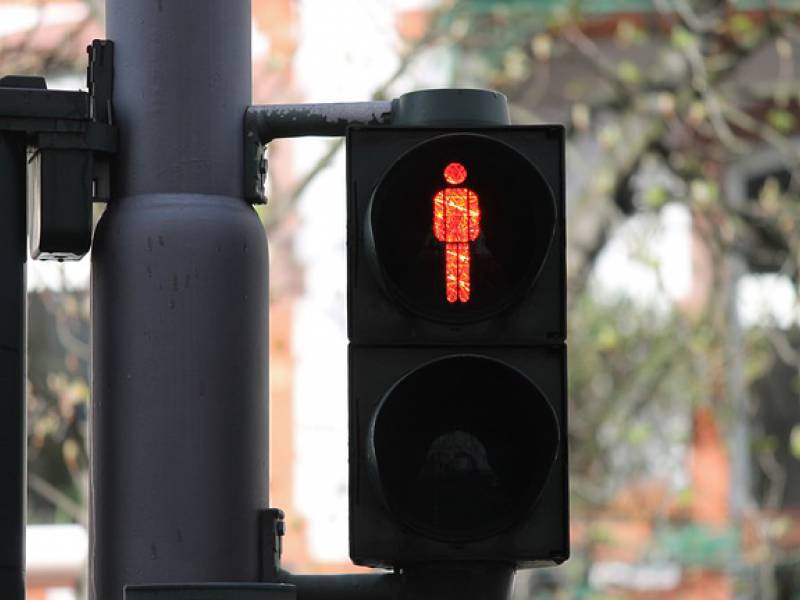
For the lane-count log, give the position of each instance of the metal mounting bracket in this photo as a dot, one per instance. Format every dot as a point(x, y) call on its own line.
point(69, 137)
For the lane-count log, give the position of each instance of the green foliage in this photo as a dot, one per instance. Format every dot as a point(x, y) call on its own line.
point(655, 197)
point(794, 441)
point(782, 120)
point(682, 39)
point(629, 72)
point(743, 29)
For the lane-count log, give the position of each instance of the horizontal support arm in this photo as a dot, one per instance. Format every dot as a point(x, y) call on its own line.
point(264, 123)
point(274, 121)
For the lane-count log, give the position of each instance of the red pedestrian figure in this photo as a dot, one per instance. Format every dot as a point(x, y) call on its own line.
point(456, 222)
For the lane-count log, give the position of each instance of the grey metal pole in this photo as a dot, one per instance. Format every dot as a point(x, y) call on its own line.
point(179, 300)
point(12, 367)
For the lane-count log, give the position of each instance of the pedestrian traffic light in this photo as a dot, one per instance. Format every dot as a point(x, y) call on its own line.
point(456, 321)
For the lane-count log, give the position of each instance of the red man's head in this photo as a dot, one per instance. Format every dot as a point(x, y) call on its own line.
point(455, 173)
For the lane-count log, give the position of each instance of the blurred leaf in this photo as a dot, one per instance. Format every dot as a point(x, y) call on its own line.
point(703, 191)
point(603, 182)
point(779, 527)
point(581, 116)
point(610, 135)
point(629, 33)
point(684, 497)
point(560, 16)
point(784, 48)
point(71, 452)
point(542, 47)
point(638, 434)
point(683, 39)
point(740, 23)
point(696, 113)
point(743, 29)
point(781, 119)
point(628, 72)
point(794, 441)
point(601, 534)
point(607, 338)
point(515, 64)
point(769, 196)
point(665, 104)
point(655, 196)
point(764, 444)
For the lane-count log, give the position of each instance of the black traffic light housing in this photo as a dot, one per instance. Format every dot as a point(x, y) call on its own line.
point(457, 375)
point(403, 509)
point(392, 266)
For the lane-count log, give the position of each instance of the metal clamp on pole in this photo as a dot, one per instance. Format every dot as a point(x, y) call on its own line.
point(69, 136)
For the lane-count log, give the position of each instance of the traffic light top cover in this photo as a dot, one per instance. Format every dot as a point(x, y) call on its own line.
point(454, 229)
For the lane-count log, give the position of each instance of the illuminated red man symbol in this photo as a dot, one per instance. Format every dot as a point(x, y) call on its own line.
point(456, 222)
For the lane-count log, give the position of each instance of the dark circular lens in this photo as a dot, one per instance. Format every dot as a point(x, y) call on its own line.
point(460, 225)
point(461, 447)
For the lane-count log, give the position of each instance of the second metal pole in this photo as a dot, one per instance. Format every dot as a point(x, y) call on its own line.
point(13, 254)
